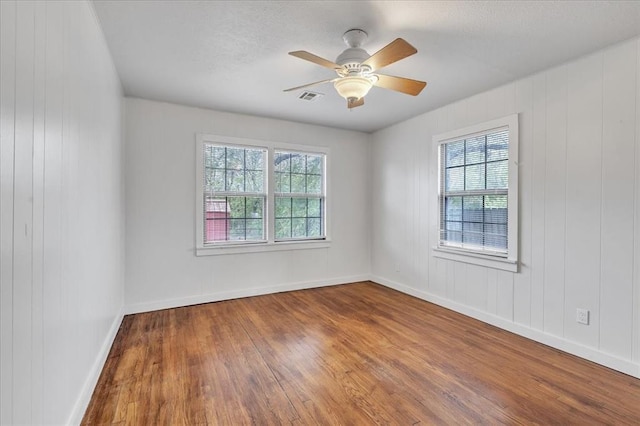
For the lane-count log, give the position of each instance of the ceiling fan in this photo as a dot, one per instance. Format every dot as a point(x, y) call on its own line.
point(356, 68)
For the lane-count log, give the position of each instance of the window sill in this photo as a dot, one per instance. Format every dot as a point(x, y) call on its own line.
point(261, 247)
point(476, 259)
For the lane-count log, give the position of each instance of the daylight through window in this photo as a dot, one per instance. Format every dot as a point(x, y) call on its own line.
point(299, 195)
point(259, 194)
point(234, 196)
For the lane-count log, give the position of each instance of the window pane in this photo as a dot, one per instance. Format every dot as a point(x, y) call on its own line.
point(232, 169)
point(235, 180)
point(498, 175)
point(214, 179)
point(283, 207)
point(453, 231)
point(215, 214)
point(474, 150)
point(453, 210)
point(495, 209)
point(254, 208)
point(254, 181)
point(454, 179)
point(236, 206)
point(254, 160)
point(472, 209)
point(216, 229)
point(218, 157)
point(494, 229)
point(254, 229)
point(299, 207)
point(314, 184)
point(298, 183)
point(472, 233)
point(454, 154)
point(474, 177)
point(238, 229)
point(298, 228)
point(495, 236)
point(283, 182)
point(314, 164)
point(283, 228)
point(498, 146)
point(282, 161)
point(314, 226)
point(235, 158)
point(298, 163)
point(314, 207)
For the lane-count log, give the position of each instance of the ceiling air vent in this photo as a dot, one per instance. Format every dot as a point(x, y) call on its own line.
point(310, 96)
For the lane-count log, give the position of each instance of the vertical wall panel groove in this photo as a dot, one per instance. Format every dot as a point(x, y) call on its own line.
point(522, 280)
point(555, 202)
point(23, 214)
point(38, 211)
point(636, 222)
point(538, 200)
point(7, 143)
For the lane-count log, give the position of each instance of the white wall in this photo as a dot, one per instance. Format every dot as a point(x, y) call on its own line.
point(579, 209)
point(162, 269)
point(62, 216)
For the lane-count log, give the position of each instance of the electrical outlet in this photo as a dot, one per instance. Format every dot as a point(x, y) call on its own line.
point(582, 316)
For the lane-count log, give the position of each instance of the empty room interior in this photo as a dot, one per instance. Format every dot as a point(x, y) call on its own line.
point(320, 212)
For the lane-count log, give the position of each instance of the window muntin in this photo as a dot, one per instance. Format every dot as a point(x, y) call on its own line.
point(474, 194)
point(477, 206)
point(234, 193)
point(299, 195)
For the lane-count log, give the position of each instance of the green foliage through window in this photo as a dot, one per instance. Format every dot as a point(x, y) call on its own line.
point(235, 194)
point(234, 181)
point(299, 201)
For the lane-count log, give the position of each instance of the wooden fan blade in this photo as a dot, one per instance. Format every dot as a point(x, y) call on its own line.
point(315, 59)
point(392, 52)
point(400, 84)
point(355, 103)
point(309, 85)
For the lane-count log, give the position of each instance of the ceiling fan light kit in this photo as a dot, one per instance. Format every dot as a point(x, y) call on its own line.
point(353, 87)
point(355, 68)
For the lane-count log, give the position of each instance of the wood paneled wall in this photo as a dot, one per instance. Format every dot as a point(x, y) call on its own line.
point(579, 195)
point(61, 217)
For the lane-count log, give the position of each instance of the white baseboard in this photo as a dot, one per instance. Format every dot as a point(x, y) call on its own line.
point(574, 348)
point(84, 398)
point(236, 294)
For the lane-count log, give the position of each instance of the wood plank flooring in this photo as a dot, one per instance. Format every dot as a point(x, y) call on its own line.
point(355, 354)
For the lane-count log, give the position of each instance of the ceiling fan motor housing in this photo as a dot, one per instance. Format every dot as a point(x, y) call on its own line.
point(354, 55)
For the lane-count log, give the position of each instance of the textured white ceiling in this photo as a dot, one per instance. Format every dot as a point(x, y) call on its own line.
point(232, 55)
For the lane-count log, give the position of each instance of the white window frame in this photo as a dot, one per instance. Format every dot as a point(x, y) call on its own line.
point(508, 262)
point(270, 244)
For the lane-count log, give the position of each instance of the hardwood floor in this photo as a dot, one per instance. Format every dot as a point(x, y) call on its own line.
point(355, 354)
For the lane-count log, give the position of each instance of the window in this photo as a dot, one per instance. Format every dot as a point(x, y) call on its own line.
point(299, 195)
point(234, 195)
point(477, 194)
point(257, 196)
